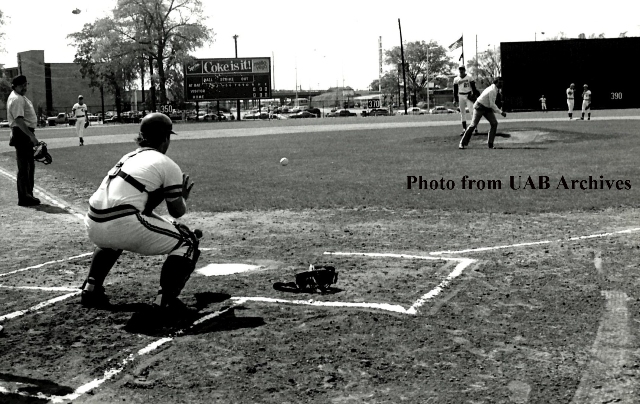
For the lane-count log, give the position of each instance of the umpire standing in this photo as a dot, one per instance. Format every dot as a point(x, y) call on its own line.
point(23, 120)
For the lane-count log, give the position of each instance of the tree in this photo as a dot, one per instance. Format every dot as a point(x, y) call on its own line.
point(2, 23)
point(561, 35)
point(423, 62)
point(488, 67)
point(104, 58)
point(163, 30)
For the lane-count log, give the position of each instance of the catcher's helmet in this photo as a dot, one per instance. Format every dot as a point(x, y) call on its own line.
point(156, 124)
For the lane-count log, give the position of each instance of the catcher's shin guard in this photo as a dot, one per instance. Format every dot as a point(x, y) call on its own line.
point(174, 275)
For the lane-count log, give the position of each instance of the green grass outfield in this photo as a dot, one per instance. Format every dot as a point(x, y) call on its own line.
point(350, 165)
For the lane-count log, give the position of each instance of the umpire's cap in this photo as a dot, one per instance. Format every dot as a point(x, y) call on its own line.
point(156, 124)
point(18, 80)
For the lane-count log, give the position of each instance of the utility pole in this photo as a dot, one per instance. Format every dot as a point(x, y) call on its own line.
point(235, 39)
point(404, 76)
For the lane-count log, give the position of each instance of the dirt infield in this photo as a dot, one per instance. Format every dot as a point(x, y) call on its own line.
point(547, 310)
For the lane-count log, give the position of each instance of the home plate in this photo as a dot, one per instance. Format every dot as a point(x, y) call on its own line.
point(227, 269)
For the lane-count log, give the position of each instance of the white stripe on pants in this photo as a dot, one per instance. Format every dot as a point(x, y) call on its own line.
point(463, 104)
point(80, 126)
point(136, 233)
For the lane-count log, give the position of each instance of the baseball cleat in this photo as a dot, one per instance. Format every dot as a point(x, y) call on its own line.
point(461, 146)
point(94, 299)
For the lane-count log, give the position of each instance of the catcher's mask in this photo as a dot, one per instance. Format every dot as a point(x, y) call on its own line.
point(41, 154)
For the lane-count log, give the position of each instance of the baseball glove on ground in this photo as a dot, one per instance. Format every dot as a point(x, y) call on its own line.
point(472, 97)
point(86, 124)
point(317, 278)
point(41, 154)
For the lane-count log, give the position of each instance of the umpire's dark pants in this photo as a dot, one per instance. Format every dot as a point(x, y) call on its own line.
point(26, 163)
point(479, 111)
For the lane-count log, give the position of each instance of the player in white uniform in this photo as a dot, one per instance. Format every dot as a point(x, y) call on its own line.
point(586, 102)
point(570, 94)
point(463, 85)
point(543, 101)
point(121, 216)
point(80, 113)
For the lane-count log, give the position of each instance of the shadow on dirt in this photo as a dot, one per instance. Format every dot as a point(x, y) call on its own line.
point(194, 319)
point(54, 210)
point(30, 387)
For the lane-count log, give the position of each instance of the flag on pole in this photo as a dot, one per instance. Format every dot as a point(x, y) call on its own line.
point(456, 44)
point(461, 56)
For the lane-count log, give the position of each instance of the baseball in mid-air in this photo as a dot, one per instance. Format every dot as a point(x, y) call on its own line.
point(284, 161)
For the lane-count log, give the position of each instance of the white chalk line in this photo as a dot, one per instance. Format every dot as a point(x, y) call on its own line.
point(480, 249)
point(604, 380)
point(110, 373)
point(465, 262)
point(45, 264)
point(39, 306)
point(44, 194)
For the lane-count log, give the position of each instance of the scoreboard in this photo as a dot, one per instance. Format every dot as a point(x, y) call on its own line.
point(531, 69)
point(227, 79)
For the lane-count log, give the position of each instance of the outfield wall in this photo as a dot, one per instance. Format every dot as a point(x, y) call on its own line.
point(531, 69)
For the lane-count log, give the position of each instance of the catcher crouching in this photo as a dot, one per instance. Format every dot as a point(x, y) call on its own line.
point(121, 216)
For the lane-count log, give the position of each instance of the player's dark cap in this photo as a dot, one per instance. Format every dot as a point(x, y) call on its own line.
point(462, 68)
point(19, 80)
point(156, 124)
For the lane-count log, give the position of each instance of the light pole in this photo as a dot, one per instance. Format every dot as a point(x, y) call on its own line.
point(235, 39)
point(428, 76)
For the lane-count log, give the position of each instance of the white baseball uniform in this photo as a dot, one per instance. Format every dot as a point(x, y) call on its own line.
point(543, 101)
point(115, 220)
point(586, 101)
point(80, 112)
point(570, 95)
point(464, 89)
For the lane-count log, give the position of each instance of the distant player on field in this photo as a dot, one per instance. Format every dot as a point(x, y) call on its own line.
point(543, 101)
point(80, 113)
point(463, 86)
point(586, 102)
point(570, 95)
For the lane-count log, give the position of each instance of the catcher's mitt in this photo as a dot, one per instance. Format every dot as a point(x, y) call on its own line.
point(472, 96)
point(86, 124)
point(321, 277)
point(41, 154)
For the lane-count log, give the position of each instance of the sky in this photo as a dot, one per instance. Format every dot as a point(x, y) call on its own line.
point(322, 44)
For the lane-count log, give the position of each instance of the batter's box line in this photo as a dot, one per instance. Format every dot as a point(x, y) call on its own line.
point(45, 195)
point(536, 243)
point(412, 310)
point(111, 373)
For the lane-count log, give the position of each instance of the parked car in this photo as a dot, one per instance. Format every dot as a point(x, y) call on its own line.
point(315, 111)
point(375, 112)
point(302, 114)
point(441, 110)
point(211, 116)
point(4, 124)
point(413, 111)
point(93, 118)
point(261, 115)
point(466, 109)
point(131, 116)
point(341, 112)
point(226, 116)
point(61, 118)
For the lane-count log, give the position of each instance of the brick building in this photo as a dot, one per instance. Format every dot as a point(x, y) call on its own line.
point(54, 87)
